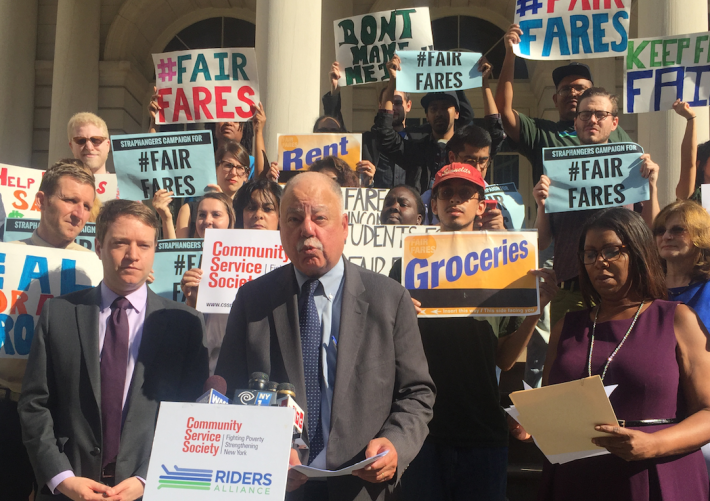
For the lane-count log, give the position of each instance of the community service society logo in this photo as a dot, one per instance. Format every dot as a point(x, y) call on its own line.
point(185, 478)
point(237, 482)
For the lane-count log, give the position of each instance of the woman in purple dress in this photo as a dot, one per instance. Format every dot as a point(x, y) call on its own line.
point(657, 353)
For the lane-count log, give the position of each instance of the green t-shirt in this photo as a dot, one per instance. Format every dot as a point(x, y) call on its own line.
point(538, 133)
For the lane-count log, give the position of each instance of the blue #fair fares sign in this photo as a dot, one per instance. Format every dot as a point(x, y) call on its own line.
point(432, 71)
point(572, 29)
point(181, 162)
point(594, 176)
point(172, 259)
point(510, 203)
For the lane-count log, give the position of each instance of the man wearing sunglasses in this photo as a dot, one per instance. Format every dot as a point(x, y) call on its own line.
point(530, 135)
point(89, 141)
point(595, 121)
point(466, 452)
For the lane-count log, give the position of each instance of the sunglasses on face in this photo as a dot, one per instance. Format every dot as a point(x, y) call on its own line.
point(607, 254)
point(464, 193)
point(95, 140)
point(675, 231)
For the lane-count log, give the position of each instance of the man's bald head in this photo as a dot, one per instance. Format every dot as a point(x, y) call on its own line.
point(318, 179)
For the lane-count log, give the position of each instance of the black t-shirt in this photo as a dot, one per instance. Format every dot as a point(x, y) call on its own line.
point(461, 353)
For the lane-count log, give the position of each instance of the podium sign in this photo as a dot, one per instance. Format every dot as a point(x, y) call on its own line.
point(217, 452)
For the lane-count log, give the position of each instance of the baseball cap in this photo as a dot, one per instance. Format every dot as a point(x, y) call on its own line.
point(458, 170)
point(444, 96)
point(579, 69)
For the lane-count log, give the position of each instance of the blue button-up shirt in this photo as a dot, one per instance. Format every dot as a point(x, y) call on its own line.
point(329, 302)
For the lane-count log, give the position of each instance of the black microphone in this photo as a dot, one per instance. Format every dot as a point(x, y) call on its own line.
point(215, 388)
point(258, 392)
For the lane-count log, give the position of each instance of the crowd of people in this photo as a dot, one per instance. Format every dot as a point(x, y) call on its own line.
point(627, 292)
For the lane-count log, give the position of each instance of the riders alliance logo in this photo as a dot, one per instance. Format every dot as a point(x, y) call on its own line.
point(224, 481)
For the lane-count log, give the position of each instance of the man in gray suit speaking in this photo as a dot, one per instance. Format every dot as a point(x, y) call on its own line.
point(346, 338)
point(101, 361)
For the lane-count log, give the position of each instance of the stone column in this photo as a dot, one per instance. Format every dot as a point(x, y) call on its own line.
point(660, 133)
point(75, 79)
point(18, 47)
point(288, 47)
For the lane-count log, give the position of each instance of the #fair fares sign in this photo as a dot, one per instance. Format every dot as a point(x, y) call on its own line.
point(29, 276)
point(172, 259)
point(477, 273)
point(181, 162)
point(657, 71)
point(206, 85)
point(219, 452)
point(434, 71)
point(572, 29)
point(232, 258)
point(594, 176)
point(364, 44)
point(21, 229)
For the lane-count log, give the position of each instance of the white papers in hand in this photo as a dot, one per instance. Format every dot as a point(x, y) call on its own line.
point(311, 472)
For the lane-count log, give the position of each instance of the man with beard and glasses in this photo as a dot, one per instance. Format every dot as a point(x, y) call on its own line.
point(465, 455)
point(596, 119)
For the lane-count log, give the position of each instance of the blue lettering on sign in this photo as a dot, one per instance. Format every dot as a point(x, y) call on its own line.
point(68, 280)
point(555, 29)
point(246, 478)
point(526, 38)
point(2, 270)
point(35, 268)
point(293, 159)
point(7, 323)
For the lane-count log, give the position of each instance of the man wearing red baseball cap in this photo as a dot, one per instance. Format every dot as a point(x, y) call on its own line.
point(466, 452)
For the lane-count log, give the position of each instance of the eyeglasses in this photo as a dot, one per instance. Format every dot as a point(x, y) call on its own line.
point(585, 116)
point(476, 162)
point(567, 90)
point(464, 193)
point(95, 140)
point(228, 166)
point(675, 231)
point(607, 254)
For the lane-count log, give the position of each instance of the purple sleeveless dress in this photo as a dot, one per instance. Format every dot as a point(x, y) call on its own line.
point(646, 370)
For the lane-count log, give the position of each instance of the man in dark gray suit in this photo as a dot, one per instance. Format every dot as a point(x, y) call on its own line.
point(346, 338)
point(101, 361)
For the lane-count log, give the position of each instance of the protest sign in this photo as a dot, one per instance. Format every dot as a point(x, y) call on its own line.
point(705, 196)
point(363, 205)
point(18, 187)
point(510, 203)
point(459, 274)
point(232, 258)
point(206, 85)
point(376, 247)
point(572, 29)
point(298, 152)
point(594, 176)
point(106, 187)
point(181, 162)
point(435, 71)
point(219, 452)
point(659, 70)
point(29, 276)
point(364, 44)
point(172, 259)
point(20, 229)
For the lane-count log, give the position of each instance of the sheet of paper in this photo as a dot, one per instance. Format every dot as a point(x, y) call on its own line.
point(562, 417)
point(311, 472)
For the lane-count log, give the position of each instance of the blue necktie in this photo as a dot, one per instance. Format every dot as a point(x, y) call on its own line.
point(309, 323)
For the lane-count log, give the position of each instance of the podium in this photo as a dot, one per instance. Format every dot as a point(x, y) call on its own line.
point(214, 452)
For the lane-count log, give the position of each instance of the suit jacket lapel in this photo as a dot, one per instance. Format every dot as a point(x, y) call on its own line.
point(285, 312)
point(87, 321)
point(153, 329)
point(352, 325)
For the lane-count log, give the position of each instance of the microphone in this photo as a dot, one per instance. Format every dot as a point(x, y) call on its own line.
point(258, 392)
point(286, 394)
point(215, 388)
